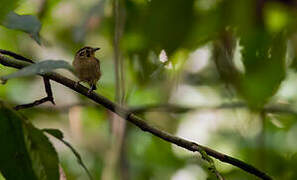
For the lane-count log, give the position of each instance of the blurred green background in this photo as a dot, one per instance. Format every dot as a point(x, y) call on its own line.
point(221, 73)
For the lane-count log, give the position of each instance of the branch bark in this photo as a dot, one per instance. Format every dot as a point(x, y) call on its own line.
point(139, 122)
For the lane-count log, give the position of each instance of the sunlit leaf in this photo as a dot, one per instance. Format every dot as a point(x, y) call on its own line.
point(276, 17)
point(42, 67)
point(6, 7)
point(27, 23)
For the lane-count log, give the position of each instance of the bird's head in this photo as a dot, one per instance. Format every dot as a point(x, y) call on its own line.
point(86, 52)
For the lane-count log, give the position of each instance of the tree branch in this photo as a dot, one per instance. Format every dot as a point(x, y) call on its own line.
point(182, 109)
point(174, 108)
point(125, 114)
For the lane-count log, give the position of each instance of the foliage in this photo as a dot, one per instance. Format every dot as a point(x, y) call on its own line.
point(26, 153)
point(194, 55)
point(42, 67)
point(6, 7)
point(26, 23)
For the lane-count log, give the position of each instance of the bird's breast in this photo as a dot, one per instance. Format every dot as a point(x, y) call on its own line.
point(87, 69)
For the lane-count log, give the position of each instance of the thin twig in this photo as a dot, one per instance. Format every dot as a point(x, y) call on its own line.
point(261, 141)
point(116, 51)
point(42, 9)
point(139, 122)
point(46, 81)
point(49, 97)
point(118, 127)
point(48, 89)
point(174, 108)
point(16, 56)
point(35, 103)
point(182, 109)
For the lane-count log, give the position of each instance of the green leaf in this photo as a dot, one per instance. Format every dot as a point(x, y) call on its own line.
point(25, 152)
point(54, 132)
point(27, 23)
point(42, 153)
point(276, 17)
point(6, 7)
point(42, 67)
point(167, 29)
point(15, 162)
point(264, 59)
point(154, 26)
point(59, 135)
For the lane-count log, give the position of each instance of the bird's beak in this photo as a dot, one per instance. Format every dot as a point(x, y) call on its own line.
point(95, 49)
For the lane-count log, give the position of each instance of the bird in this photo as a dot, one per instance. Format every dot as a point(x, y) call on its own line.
point(87, 67)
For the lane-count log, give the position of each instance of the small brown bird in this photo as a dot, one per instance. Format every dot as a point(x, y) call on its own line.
point(87, 67)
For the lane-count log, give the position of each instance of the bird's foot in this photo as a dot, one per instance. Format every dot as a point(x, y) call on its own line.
point(76, 84)
point(93, 87)
point(90, 91)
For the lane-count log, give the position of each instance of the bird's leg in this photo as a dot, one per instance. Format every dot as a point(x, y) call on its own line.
point(93, 87)
point(77, 83)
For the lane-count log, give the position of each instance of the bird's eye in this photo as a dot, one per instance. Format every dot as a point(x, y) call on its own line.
point(82, 53)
